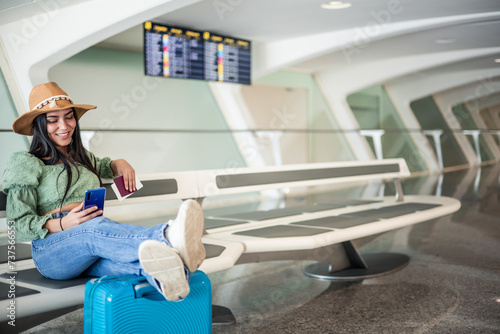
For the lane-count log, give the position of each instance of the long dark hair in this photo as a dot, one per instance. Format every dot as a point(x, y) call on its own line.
point(43, 148)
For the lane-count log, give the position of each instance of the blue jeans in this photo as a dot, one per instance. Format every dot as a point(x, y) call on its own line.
point(98, 247)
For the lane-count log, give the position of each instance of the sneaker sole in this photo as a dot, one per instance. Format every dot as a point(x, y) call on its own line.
point(189, 226)
point(164, 264)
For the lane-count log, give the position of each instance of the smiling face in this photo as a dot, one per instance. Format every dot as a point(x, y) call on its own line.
point(60, 127)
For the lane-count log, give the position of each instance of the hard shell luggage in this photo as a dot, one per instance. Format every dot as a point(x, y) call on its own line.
point(129, 304)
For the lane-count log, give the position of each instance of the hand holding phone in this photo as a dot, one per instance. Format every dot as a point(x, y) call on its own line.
point(95, 197)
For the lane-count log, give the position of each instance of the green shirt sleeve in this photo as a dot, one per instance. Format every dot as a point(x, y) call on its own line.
point(21, 178)
point(103, 166)
point(21, 209)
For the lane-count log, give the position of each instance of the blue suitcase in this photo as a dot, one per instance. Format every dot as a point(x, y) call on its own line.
point(129, 304)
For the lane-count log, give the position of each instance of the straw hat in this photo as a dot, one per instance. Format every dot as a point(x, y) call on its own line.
point(46, 98)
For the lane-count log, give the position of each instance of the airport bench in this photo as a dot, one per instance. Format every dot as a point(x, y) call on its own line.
point(322, 231)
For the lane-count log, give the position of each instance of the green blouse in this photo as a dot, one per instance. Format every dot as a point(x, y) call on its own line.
point(32, 188)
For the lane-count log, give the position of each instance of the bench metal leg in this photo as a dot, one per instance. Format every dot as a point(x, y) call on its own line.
point(399, 190)
point(222, 316)
point(361, 266)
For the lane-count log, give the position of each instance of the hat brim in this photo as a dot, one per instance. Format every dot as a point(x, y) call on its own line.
point(23, 125)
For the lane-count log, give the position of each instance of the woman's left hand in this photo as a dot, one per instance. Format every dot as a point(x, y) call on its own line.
point(123, 168)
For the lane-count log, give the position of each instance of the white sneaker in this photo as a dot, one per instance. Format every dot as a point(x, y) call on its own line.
point(165, 265)
point(185, 233)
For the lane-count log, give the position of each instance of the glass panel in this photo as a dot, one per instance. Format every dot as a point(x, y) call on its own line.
point(488, 116)
point(430, 118)
point(467, 123)
point(373, 109)
point(10, 142)
point(317, 127)
point(156, 152)
point(282, 109)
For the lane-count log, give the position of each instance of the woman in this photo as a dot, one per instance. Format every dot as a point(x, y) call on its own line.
point(45, 188)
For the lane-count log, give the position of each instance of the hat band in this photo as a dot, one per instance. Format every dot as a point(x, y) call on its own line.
point(52, 101)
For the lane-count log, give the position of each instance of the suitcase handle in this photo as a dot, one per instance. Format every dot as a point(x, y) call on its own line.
point(144, 289)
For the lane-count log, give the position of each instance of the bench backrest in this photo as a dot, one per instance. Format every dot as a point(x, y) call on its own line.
point(204, 183)
point(239, 180)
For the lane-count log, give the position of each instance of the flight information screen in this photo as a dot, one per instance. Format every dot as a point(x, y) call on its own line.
point(175, 52)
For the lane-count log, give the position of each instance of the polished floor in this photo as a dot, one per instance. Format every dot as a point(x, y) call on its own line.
point(451, 285)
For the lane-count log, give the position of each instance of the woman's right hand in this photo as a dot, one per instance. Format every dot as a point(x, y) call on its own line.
point(78, 216)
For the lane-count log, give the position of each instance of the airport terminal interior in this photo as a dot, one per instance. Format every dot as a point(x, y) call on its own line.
point(197, 85)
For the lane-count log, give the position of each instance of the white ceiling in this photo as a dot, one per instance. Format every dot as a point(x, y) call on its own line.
point(267, 20)
point(15, 10)
point(471, 36)
point(453, 25)
point(270, 20)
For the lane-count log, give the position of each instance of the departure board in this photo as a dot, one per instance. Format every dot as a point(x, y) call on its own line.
point(175, 52)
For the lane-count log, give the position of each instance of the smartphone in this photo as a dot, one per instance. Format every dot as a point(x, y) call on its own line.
point(94, 197)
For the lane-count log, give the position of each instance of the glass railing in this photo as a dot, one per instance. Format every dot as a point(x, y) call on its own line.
point(163, 150)
point(384, 127)
point(477, 139)
point(10, 142)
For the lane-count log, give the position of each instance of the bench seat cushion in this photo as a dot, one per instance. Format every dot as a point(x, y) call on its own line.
point(19, 291)
point(311, 230)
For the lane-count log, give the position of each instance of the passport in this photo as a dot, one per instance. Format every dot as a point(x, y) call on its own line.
point(118, 187)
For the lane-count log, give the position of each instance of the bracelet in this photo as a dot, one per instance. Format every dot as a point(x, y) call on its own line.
point(60, 223)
